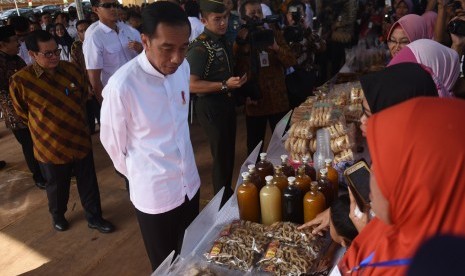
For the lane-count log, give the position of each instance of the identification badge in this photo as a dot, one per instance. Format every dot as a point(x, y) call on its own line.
point(264, 61)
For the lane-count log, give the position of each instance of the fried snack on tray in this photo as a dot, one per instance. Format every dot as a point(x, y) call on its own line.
point(283, 259)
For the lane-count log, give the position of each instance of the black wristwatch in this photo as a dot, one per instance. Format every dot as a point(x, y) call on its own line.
point(224, 86)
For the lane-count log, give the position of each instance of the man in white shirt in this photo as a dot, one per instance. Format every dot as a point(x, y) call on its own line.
point(21, 26)
point(192, 9)
point(144, 129)
point(109, 44)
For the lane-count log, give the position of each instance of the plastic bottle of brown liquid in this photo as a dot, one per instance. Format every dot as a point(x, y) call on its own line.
point(333, 176)
point(292, 203)
point(302, 181)
point(314, 202)
point(309, 170)
point(325, 187)
point(288, 170)
point(264, 167)
point(270, 202)
point(279, 179)
point(248, 200)
point(254, 177)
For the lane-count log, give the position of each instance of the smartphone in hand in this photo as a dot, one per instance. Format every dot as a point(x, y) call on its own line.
point(358, 179)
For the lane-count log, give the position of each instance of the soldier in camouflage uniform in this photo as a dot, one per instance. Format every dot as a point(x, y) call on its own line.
point(210, 59)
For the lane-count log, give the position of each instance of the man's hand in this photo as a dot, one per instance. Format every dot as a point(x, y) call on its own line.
point(321, 223)
point(236, 82)
point(136, 46)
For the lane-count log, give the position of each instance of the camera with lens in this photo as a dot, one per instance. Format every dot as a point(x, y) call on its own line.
point(260, 38)
point(457, 27)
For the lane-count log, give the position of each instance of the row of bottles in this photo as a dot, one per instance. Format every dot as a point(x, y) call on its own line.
point(297, 199)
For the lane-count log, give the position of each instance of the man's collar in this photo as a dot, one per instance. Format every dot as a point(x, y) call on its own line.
point(212, 35)
point(147, 66)
point(39, 71)
point(107, 29)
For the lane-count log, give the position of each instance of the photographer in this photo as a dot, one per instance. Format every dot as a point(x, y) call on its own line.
point(305, 44)
point(263, 55)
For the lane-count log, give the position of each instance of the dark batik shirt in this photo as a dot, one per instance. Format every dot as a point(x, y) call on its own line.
point(9, 65)
point(54, 108)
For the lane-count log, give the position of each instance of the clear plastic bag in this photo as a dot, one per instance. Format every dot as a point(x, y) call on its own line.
point(284, 259)
point(302, 130)
point(246, 234)
point(287, 232)
point(231, 255)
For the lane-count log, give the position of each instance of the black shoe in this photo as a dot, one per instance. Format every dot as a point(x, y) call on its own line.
point(60, 224)
point(40, 185)
point(2, 164)
point(103, 226)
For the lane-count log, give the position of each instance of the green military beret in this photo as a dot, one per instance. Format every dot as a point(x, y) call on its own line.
point(212, 6)
point(6, 32)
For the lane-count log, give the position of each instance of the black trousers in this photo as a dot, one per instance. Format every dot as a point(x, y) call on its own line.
point(217, 116)
point(256, 128)
point(163, 233)
point(93, 112)
point(24, 138)
point(58, 181)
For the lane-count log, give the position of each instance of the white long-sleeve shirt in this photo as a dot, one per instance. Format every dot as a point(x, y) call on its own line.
point(108, 50)
point(144, 129)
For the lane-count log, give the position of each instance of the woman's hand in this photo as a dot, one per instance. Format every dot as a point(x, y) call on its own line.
point(321, 222)
point(358, 218)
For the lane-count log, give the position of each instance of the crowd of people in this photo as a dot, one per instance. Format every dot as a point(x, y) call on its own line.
point(134, 71)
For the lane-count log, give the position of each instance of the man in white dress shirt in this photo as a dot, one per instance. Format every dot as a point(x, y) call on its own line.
point(144, 129)
point(109, 44)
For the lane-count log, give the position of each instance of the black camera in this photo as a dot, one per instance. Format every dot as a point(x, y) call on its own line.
point(293, 34)
point(457, 27)
point(260, 38)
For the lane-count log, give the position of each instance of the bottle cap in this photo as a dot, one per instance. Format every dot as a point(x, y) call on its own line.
point(245, 175)
point(323, 171)
point(269, 178)
point(291, 180)
point(263, 156)
point(328, 161)
point(278, 168)
point(305, 159)
point(313, 184)
point(284, 158)
point(251, 167)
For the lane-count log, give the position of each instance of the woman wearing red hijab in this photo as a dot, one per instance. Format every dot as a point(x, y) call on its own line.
point(418, 183)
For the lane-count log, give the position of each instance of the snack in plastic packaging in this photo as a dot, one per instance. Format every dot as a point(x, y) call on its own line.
point(287, 232)
point(245, 235)
point(284, 259)
point(345, 155)
point(231, 255)
point(302, 130)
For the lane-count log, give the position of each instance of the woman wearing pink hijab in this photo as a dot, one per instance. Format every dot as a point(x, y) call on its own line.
point(441, 62)
point(430, 19)
point(406, 30)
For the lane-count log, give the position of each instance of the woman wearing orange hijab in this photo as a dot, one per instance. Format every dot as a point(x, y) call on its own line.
point(418, 183)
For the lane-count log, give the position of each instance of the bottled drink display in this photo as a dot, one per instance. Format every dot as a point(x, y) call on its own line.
point(248, 200)
point(292, 201)
point(309, 170)
point(270, 202)
point(302, 180)
point(333, 177)
point(264, 167)
point(314, 203)
point(279, 179)
point(325, 187)
point(254, 177)
point(288, 170)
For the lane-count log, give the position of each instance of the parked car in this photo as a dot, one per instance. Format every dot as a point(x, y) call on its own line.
point(86, 6)
point(26, 12)
point(52, 9)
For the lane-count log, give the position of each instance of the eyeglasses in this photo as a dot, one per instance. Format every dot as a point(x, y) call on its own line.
point(50, 54)
point(399, 43)
point(109, 5)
